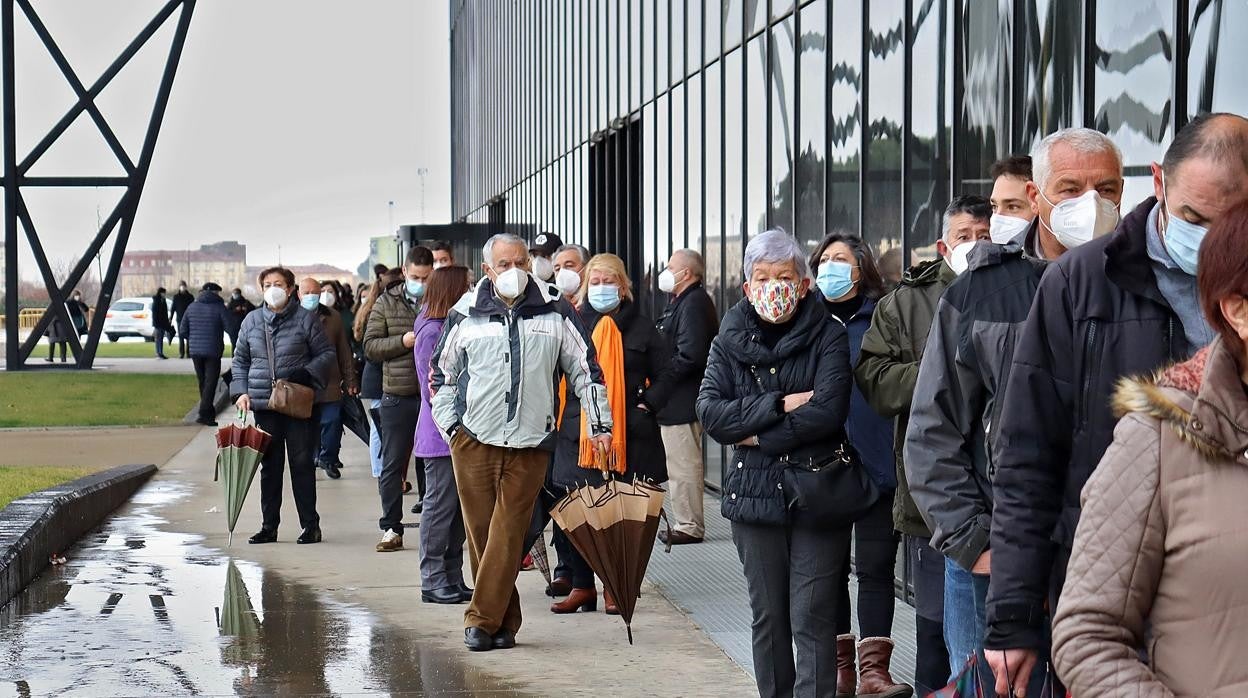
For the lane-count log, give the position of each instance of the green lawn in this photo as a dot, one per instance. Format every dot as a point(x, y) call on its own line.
point(134, 350)
point(18, 480)
point(36, 399)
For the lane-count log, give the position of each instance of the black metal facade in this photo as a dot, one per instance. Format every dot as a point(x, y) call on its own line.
point(859, 115)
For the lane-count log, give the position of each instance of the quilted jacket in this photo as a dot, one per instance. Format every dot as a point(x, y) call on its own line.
point(299, 347)
point(1161, 551)
point(393, 316)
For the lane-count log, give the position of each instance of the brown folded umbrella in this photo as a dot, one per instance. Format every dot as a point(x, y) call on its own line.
point(611, 528)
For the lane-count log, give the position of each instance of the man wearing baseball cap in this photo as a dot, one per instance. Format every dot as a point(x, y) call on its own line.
point(543, 252)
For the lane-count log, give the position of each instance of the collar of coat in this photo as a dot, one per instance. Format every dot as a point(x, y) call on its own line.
point(539, 297)
point(930, 272)
point(741, 332)
point(623, 316)
point(1126, 255)
point(1203, 400)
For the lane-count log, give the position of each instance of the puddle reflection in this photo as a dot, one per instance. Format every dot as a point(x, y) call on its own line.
point(140, 611)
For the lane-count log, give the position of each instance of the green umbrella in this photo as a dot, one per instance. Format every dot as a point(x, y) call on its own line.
point(239, 450)
point(237, 618)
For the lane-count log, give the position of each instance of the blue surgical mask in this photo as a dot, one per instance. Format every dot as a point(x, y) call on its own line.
point(309, 302)
point(604, 297)
point(414, 288)
point(1182, 238)
point(835, 279)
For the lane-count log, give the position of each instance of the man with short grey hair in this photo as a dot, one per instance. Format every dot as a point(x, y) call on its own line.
point(688, 324)
point(493, 379)
point(1122, 304)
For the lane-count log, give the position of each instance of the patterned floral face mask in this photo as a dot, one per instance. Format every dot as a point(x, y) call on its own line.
point(774, 300)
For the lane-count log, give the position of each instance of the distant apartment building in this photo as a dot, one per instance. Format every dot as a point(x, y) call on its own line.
point(320, 272)
point(143, 271)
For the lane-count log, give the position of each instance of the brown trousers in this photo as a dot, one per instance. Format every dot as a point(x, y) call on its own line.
point(497, 490)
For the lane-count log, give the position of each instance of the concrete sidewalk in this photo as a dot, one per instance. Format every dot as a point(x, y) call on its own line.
point(94, 448)
point(581, 654)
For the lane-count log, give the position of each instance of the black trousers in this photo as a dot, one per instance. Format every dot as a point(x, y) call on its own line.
point(398, 430)
point(792, 575)
point(875, 564)
point(294, 438)
point(182, 346)
point(52, 345)
point(207, 372)
point(927, 566)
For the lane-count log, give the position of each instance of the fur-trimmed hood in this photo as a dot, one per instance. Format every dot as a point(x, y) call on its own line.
point(1203, 400)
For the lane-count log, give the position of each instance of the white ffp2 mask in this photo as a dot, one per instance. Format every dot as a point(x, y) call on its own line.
point(510, 284)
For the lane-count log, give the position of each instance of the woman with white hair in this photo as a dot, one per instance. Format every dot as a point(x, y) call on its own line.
point(777, 390)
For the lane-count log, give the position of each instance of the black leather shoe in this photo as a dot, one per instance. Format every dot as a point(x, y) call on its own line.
point(332, 471)
point(503, 640)
point(448, 595)
point(309, 535)
point(264, 536)
point(207, 422)
point(477, 640)
point(418, 507)
point(465, 593)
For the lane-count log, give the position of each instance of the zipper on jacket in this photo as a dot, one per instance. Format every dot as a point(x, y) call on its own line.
point(1170, 337)
point(1089, 360)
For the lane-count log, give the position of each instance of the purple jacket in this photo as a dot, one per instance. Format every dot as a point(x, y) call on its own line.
point(429, 443)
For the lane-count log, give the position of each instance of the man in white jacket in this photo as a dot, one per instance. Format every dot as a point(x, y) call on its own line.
point(495, 376)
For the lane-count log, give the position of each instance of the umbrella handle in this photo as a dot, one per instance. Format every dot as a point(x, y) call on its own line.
point(243, 415)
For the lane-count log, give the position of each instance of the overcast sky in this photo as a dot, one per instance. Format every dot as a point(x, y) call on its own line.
point(291, 122)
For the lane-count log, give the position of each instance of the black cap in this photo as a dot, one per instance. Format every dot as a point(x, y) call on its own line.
point(210, 286)
point(546, 244)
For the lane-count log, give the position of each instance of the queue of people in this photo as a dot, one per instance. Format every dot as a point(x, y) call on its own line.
point(1044, 419)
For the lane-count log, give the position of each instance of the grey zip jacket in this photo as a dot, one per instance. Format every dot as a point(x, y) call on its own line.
point(495, 370)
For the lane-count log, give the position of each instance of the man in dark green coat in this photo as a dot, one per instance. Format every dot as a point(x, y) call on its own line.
point(887, 370)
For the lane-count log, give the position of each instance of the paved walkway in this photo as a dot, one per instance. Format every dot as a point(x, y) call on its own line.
point(582, 654)
point(93, 448)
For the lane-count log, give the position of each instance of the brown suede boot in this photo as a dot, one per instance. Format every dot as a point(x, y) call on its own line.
point(578, 600)
point(874, 656)
point(846, 674)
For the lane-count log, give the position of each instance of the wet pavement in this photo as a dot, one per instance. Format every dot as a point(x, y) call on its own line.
point(140, 611)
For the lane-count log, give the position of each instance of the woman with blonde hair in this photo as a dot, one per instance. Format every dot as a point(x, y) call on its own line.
point(633, 357)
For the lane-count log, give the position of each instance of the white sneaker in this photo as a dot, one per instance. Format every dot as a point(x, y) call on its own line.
point(390, 542)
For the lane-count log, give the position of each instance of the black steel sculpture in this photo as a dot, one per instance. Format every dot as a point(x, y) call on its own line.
point(15, 178)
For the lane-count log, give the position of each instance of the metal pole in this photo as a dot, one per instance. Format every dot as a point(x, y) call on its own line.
point(12, 355)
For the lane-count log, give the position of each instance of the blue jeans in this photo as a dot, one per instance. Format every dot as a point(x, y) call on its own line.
point(331, 432)
point(966, 597)
point(374, 437)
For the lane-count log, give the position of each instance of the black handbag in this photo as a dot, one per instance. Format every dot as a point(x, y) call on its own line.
point(832, 493)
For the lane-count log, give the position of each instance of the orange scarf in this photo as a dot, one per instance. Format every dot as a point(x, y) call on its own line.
point(609, 344)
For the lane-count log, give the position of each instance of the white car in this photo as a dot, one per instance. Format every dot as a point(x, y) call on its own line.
point(132, 317)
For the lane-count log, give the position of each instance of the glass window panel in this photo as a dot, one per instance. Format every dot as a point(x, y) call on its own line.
point(677, 32)
point(757, 185)
point(713, 229)
point(1212, 81)
point(646, 64)
point(845, 136)
point(633, 60)
point(612, 74)
point(812, 66)
point(663, 50)
point(732, 23)
point(693, 32)
point(694, 165)
point(604, 84)
point(679, 223)
point(662, 178)
point(1134, 42)
point(734, 174)
point(1052, 74)
point(882, 218)
point(714, 26)
point(780, 7)
point(930, 115)
point(755, 16)
point(780, 188)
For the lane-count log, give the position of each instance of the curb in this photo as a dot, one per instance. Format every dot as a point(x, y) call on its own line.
point(39, 524)
point(219, 402)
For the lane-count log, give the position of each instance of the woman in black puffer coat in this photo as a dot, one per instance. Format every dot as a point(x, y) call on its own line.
point(777, 386)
